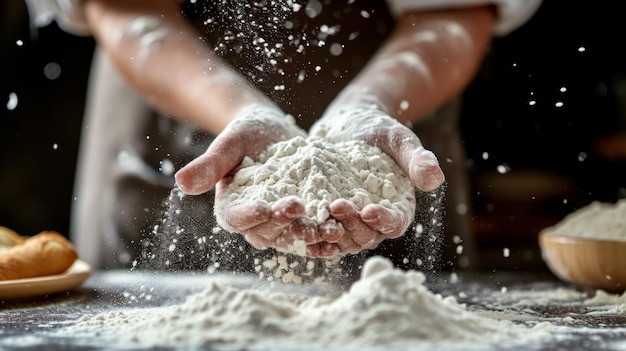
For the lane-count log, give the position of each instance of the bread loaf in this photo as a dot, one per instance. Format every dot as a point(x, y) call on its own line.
point(44, 254)
point(9, 238)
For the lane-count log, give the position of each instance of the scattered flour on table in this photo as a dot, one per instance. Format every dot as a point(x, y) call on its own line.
point(385, 307)
point(319, 172)
point(604, 298)
point(597, 220)
point(604, 302)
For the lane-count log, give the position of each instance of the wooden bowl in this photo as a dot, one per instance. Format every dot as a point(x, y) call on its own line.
point(591, 263)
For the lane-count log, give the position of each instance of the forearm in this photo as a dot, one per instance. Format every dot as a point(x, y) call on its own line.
point(429, 58)
point(160, 54)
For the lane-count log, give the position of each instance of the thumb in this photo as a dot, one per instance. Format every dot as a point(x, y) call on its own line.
point(201, 174)
point(424, 170)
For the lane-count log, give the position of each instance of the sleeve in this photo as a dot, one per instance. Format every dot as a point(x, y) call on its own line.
point(68, 14)
point(511, 13)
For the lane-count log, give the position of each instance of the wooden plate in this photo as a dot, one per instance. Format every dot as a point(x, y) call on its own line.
point(591, 263)
point(30, 287)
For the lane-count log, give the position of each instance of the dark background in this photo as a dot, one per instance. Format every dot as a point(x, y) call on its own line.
point(35, 179)
point(557, 159)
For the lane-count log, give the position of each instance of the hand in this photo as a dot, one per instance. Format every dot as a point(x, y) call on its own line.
point(352, 230)
point(249, 134)
point(376, 128)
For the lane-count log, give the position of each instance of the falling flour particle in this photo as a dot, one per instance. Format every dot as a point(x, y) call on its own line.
point(597, 220)
point(52, 70)
point(318, 172)
point(386, 306)
point(12, 102)
point(167, 167)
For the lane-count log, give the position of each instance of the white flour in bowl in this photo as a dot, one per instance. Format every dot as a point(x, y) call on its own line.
point(386, 307)
point(597, 220)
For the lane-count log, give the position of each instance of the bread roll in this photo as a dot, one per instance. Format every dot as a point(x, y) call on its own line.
point(44, 254)
point(9, 238)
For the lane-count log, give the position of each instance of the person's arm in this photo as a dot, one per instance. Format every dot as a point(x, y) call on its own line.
point(430, 57)
point(162, 57)
point(160, 54)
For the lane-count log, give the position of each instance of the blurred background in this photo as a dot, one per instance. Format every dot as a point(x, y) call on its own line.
point(544, 125)
point(43, 80)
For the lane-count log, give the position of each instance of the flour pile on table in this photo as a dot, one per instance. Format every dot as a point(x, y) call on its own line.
point(386, 307)
point(319, 172)
point(597, 220)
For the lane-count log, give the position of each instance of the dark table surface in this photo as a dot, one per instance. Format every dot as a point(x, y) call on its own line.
point(27, 324)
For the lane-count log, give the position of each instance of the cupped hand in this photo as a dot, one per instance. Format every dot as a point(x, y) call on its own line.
point(249, 134)
point(350, 230)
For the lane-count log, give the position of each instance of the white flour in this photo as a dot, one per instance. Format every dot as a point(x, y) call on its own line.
point(319, 172)
point(597, 220)
point(603, 302)
point(387, 307)
point(604, 298)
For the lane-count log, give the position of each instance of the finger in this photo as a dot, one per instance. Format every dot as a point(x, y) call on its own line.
point(347, 245)
point(346, 213)
point(419, 164)
point(298, 230)
point(258, 242)
point(241, 216)
point(283, 213)
point(343, 243)
point(286, 212)
point(423, 169)
point(323, 250)
point(331, 231)
point(389, 223)
point(200, 175)
point(286, 209)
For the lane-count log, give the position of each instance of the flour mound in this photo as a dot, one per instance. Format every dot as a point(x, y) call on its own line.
point(597, 220)
point(385, 307)
point(319, 172)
